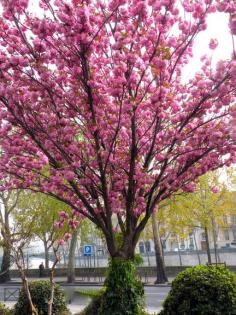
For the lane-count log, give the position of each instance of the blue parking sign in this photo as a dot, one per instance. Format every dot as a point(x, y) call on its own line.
point(87, 250)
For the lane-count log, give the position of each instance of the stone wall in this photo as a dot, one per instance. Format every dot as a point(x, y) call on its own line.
point(89, 274)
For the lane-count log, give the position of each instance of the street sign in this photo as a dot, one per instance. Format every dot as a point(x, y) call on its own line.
point(88, 250)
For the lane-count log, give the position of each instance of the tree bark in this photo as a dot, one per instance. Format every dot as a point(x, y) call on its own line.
point(6, 259)
point(215, 240)
point(52, 282)
point(197, 250)
point(71, 259)
point(46, 254)
point(179, 253)
point(19, 257)
point(161, 270)
point(5, 266)
point(208, 246)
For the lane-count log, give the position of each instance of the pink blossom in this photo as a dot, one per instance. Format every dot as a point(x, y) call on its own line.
point(67, 236)
point(215, 189)
point(213, 43)
point(61, 242)
point(94, 110)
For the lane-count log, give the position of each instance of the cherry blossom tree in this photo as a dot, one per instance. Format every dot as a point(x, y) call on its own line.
point(95, 110)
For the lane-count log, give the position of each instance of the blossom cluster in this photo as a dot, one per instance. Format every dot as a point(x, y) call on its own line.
point(93, 108)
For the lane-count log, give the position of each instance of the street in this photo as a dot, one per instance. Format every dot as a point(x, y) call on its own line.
point(154, 296)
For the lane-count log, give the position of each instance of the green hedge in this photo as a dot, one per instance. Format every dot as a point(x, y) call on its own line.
point(124, 293)
point(202, 290)
point(5, 310)
point(40, 292)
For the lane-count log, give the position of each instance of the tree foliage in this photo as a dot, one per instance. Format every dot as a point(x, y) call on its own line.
point(95, 112)
point(47, 212)
point(211, 200)
point(202, 290)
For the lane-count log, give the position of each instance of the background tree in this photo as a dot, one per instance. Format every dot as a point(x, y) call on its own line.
point(71, 258)
point(51, 213)
point(8, 200)
point(205, 208)
point(95, 112)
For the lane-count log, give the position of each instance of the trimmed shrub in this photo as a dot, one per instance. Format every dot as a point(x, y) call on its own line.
point(40, 292)
point(202, 290)
point(94, 305)
point(5, 310)
point(124, 292)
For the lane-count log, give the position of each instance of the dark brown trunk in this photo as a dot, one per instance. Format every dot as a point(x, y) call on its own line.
point(5, 266)
point(71, 259)
point(208, 246)
point(160, 265)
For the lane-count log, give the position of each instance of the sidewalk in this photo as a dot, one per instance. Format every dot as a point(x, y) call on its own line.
point(75, 308)
point(79, 281)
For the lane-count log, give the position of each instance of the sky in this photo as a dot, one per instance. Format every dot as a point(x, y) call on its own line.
point(217, 29)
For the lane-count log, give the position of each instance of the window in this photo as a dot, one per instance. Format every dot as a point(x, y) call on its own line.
point(226, 233)
point(141, 248)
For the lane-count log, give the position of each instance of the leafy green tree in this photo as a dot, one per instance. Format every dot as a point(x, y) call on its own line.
point(204, 208)
point(47, 210)
point(8, 201)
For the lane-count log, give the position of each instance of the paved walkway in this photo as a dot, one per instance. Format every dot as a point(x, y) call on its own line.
point(154, 294)
point(85, 281)
point(154, 297)
point(75, 309)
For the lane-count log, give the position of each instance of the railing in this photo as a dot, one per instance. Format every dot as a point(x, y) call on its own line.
point(11, 294)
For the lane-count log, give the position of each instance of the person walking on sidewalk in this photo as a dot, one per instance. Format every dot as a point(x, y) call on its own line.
point(41, 269)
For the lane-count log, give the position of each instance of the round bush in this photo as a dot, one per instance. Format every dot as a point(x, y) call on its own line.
point(40, 292)
point(202, 290)
point(5, 310)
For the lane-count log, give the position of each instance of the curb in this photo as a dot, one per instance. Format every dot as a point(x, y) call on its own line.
point(86, 284)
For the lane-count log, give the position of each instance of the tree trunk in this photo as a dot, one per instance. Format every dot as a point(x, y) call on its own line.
point(179, 253)
point(160, 265)
point(5, 266)
point(6, 259)
point(215, 240)
point(208, 246)
point(46, 254)
point(197, 250)
point(27, 291)
point(71, 259)
point(52, 282)
point(19, 258)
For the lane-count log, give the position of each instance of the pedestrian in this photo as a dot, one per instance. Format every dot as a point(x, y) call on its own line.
point(41, 269)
